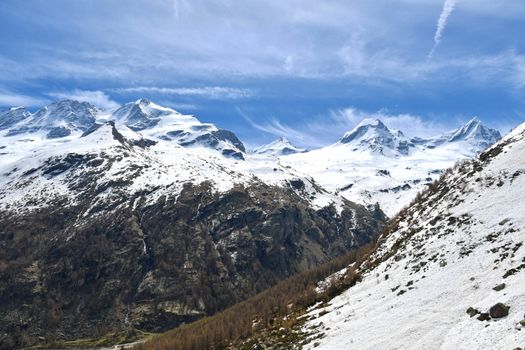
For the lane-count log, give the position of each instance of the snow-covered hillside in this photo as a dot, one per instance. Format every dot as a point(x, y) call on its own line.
point(372, 163)
point(449, 271)
point(112, 153)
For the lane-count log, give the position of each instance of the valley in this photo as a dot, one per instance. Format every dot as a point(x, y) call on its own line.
point(126, 223)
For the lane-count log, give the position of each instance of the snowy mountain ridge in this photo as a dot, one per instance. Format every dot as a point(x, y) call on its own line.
point(160, 168)
point(62, 121)
point(13, 116)
point(374, 136)
point(373, 163)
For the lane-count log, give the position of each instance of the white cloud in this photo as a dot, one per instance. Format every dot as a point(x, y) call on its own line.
point(212, 42)
point(98, 98)
point(448, 7)
point(275, 127)
point(15, 100)
point(212, 92)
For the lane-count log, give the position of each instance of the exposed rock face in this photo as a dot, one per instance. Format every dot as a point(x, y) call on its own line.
point(153, 267)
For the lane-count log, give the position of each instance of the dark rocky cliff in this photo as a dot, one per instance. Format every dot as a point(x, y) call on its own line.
point(129, 266)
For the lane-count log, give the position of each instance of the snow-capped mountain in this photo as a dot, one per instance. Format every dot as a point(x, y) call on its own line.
point(370, 164)
point(161, 123)
point(164, 167)
point(280, 147)
point(474, 135)
point(374, 136)
point(22, 132)
point(449, 274)
point(373, 164)
point(58, 120)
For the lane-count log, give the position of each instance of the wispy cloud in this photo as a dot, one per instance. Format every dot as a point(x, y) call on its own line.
point(211, 92)
point(275, 127)
point(448, 7)
point(10, 99)
point(325, 129)
point(179, 8)
point(180, 107)
point(98, 98)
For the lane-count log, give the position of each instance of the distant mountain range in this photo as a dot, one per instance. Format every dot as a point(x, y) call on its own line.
point(67, 120)
point(373, 163)
point(373, 135)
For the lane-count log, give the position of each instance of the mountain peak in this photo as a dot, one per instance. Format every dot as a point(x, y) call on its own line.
point(372, 134)
point(476, 133)
point(375, 122)
point(143, 100)
point(366, 126)
point(280, 147)
point(474, 120)
point(138, 115)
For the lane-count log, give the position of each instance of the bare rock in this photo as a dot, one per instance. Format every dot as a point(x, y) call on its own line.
point(499, 310)
point(499, 287)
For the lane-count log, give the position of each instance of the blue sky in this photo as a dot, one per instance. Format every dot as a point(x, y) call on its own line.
point(307, 69)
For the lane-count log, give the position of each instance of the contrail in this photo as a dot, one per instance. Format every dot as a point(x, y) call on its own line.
point(179, 6)
point(448, 7)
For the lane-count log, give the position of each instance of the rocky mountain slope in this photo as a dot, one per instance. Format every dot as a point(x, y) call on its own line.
point(146, 221)
point(373, 163)
point(450, 272)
